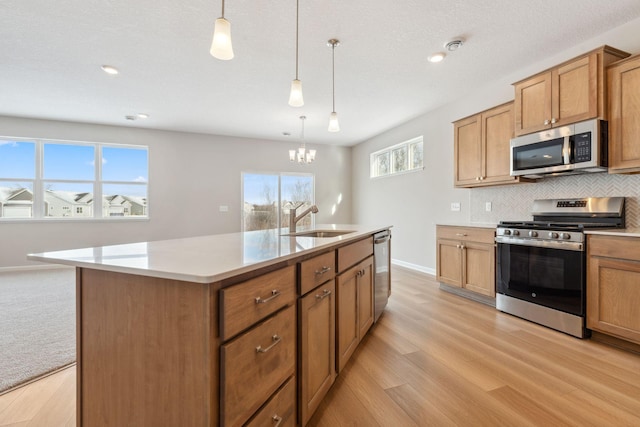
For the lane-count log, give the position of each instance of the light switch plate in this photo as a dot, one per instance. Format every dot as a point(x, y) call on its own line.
point(487, 206)
point(455, 206)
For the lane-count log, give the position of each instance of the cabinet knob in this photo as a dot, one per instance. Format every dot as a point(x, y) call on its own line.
point(546, 122)
point(553, 120)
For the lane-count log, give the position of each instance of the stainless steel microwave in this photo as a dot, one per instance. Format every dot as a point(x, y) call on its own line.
point(572, 149)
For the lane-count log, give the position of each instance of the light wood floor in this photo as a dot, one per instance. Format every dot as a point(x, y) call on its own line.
point(436, 359)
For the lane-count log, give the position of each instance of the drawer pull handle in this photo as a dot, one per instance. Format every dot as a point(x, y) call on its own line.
point(325, 293)
point(274, 294)
point(276, 339)
point(277, 420)
point(461, 234)
point(324, 270)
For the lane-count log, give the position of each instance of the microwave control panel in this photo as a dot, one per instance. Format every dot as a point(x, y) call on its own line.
point(582, 147)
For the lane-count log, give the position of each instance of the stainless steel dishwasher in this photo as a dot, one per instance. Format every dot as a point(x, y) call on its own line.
point(382, 268)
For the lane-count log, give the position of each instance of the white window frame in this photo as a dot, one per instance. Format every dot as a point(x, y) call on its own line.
point(38, 182)
point(389, 152)
point(279, 195)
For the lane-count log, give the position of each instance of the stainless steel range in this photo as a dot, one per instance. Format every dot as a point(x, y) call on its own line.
point(541, 264)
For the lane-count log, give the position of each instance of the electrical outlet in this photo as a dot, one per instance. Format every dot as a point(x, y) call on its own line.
point(224, 208)
point(455, 206)
point(487, 206)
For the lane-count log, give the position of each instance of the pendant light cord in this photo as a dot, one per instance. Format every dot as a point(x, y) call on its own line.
point(297, 19)
point(223, 9)
point(333, 75)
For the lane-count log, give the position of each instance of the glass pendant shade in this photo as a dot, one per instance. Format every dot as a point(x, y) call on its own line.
point(334, 126)
point(295, 97)
point(221, 47)
point(292, 155)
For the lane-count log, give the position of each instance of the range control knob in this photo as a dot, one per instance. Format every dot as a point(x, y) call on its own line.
point(507, 232)
point(565, 236)
point(553, 235)
point(516, 233)
point(533, 233)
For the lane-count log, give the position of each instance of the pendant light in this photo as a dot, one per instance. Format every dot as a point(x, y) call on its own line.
point(295, 97)
point(334, 126)
point(221, 45)
point(301, 155)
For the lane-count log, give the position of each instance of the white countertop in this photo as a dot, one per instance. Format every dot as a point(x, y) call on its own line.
point(625, 232)
point(204, 259)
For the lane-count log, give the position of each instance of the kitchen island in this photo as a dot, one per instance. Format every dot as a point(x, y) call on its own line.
point(204, 331)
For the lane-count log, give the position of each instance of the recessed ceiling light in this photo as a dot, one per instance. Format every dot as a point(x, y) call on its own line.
point(110, 70)
point(142, 116)
point(130, 117)
point(453, 45)
point(436, 57)
point(286, 133)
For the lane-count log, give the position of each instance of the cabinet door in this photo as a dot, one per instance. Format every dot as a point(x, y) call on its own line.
point(479, 268)
point(613, 292)
point(533, 104)
point(467, 151)
point(575, 91)
point(365, 296)
point(347, 316)
point(317, 347)
point(624, 118)
point(449, 262)
point(497, 131)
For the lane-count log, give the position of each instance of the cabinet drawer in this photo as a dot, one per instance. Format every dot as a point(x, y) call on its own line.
point(280, 410)
point(354, 253)
point(614, 247)
point(466, 234)
point(255, 364)
point(317, 270)
point(248, 302)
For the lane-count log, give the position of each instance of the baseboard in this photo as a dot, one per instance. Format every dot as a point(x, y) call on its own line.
point(415, 267)
point(35, 267)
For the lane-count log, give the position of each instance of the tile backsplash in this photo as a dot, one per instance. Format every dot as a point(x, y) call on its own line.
point(514, 202)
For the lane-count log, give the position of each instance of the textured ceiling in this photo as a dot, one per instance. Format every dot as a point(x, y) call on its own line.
point(51, 53)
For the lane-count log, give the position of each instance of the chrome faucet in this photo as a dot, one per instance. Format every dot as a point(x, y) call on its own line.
point(293, 219)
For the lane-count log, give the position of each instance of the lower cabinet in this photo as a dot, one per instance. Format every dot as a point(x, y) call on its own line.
point(613, 286)
point(466, 258)
point(355, 308)
point(280, 410)
point(317, 368)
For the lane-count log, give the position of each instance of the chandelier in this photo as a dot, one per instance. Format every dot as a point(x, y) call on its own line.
point(301, 155)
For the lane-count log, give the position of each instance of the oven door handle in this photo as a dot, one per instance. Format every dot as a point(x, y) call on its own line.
point(551, 244)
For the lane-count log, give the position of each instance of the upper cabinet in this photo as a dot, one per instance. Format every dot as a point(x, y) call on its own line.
point(570, 92)
point(481, 148)
point(624, 116)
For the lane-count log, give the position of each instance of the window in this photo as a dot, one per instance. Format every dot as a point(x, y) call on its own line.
point(267, 199)
point(399, 158)
point(42, 179)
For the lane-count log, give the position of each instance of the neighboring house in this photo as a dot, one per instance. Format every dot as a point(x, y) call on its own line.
point(16, 202)
point(119, 205)
point(67, 204)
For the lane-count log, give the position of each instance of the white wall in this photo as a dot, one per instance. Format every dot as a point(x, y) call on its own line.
point(415, 202)
point(191, 175)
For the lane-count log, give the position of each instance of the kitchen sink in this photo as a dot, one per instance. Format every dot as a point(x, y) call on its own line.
point(320, 233)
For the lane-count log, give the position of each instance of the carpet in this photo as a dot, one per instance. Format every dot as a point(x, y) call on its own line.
point(37, 323)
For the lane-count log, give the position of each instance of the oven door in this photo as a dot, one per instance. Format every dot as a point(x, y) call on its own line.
point(554, 278)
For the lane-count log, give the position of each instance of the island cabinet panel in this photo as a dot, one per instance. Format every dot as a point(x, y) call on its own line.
point(355, 252)
point(255, 364)
point(355, 309)
point(280, 410)
point(317, 367)
point(143, 342)
point(316, 271)
point(613, 286)
point(248, 302)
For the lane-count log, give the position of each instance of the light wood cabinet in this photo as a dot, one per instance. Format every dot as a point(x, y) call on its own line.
point(355, 308)
point(624, 116)
point(317, 367)
point(570, 92)
point(481, 148)
point(613, 286)
point(466, 258)
point(280, 410)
